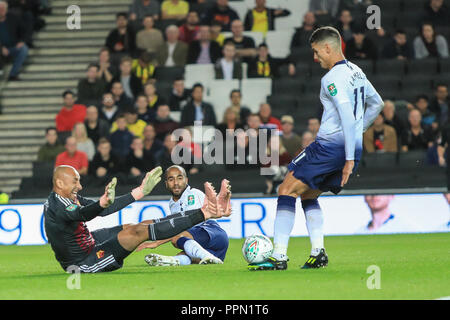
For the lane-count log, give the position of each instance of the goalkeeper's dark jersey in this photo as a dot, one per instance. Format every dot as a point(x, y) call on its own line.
point(65, 225)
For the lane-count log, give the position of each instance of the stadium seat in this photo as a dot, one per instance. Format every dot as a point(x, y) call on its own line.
point(219, 95)
point(168, 73)
point(388, 5)
point(422, 66)
point(379, 160)
point(302, 55)
point(240, 7)
point(279, 42)
point(255, 91)
point(444, 65)
point(203, 73)
point(164, 88)
point(408, 19)
point(258, 37)
point(282, 104)
point(288, 86)
point(412, 159)
point(367, 66)
point(390, 66)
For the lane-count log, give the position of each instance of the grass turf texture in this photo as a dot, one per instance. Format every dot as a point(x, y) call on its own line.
point(412, 267)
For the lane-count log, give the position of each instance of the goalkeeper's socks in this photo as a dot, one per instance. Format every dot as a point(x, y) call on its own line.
point(192, 248)
point(183, 259)
point(314, 223)
point(284, 222)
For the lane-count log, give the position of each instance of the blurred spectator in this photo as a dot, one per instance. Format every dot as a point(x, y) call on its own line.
point(108, 110)
point(279, 169)
point(428, 118)
point(143, 68)
point(440, 103)
point(154, 100)
point(106, 70)
point(267, 120)
point(307, 139)
point(143, 111)
point(174, 9)
point(313, 126)
point(221, 13)
point(27, 12)
point(84, 143)
point(91, 88)
point(398, 47)
point(442, 148)
point(360, 47)
point(326, 10)
point(203, 50)
point(131, 84)
point(215, 32)
point(51, 148)
point(12, 40)
point(345, 25)
point(179, 96)
point(149, 38)
point(121, 40)
point(134, 125)
point(105, 164)
point(253, 122)
point(197, 109)
point(245, 46)
point(230, 121)
point(121, 138)
point(70, 113)
point(96, 128)
point(138, 162)
point(228, 68)
point(119, 97)
point(302, 34)
point(416, 137)
point(380, 137)
point(163, 123)
point(173, 52)
point(189, 30)
point(291, 141)
point(142, 8)
point(261, 18)
point(243, 112)
point(430, 44)
point(392, 119)
point(437, 12)
point(73, 157)
point(152, 147)
point(264, 66)
point(193, 149)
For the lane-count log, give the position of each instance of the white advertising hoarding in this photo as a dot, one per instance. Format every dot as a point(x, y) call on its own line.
point(343, 215)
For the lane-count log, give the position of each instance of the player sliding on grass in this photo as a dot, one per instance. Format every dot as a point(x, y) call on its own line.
point(66, 212)
point(327, 163)
point(205, 243)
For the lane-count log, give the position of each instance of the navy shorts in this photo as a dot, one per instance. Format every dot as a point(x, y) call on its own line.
point(217, 242)
point(320, 166)
point(107, 254)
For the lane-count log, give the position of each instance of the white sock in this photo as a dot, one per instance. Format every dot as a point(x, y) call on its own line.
point(284, 222)
point(194, 250)
point(314, 224)
point(184, 259)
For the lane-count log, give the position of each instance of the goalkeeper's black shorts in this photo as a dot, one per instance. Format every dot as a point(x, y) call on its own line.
point(107, 254)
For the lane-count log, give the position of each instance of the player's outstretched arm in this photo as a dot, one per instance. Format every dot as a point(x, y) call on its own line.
point(151, 179)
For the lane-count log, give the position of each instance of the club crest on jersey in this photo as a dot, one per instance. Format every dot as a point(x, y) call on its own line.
point(332, 89)
point(191, 200)
point(100, 254)
point(71, 207)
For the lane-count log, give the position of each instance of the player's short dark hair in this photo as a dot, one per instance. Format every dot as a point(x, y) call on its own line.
point(324, 33)
point(197, 85)
point(183, 172)
point(235, 91)
point(50, 128)
point(65, 93)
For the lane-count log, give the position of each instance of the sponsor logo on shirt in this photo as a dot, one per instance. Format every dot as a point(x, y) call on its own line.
point(332, 89)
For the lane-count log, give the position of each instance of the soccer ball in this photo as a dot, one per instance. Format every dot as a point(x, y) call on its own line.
point(257, 248)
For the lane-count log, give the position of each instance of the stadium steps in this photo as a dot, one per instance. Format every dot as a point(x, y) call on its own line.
point(57, 62)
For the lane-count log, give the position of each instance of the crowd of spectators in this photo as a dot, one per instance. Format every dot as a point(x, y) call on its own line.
point(122, 124)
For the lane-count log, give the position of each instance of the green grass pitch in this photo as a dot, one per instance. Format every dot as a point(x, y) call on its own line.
point(413, 266)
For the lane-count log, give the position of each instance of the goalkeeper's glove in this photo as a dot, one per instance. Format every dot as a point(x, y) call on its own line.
point(111, 191)
point(148, 184)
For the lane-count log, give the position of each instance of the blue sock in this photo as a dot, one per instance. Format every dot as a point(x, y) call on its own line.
point(284, 222)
